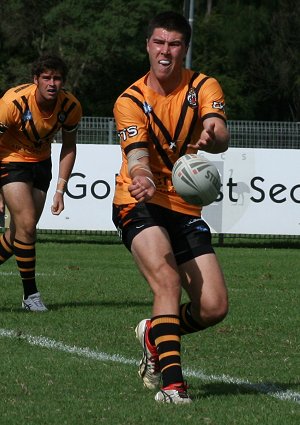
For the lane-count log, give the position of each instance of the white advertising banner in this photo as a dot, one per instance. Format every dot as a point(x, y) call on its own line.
point(260, 191)
point(88, 202)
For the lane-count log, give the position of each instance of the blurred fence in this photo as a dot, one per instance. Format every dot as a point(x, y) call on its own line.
point(244, 134)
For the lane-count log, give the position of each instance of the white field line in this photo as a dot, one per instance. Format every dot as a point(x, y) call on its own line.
point(264, 388)
point(16, 273)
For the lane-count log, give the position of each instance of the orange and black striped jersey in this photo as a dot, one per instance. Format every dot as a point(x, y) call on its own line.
point(25, 135)
point(165, 125)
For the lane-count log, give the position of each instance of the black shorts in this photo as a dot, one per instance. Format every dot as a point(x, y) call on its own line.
point(39, 173)
point(190, 235)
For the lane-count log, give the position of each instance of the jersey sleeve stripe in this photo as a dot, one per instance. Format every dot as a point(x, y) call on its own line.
point(136, 145)
point(213, 115)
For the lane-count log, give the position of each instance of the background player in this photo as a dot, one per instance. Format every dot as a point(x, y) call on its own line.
point(169, 112)
point(30, 117)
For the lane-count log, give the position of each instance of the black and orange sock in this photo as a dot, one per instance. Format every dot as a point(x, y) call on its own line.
point(187, 324)
point(6, 249)
point(166, 333)
point(25, 256)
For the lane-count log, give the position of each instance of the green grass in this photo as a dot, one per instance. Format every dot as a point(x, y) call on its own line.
point(237, 371)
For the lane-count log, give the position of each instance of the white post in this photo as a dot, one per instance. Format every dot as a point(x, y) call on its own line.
point(189, 10)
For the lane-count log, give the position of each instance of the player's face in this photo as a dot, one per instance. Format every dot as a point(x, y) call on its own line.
point(167, 51)
point(49, 83)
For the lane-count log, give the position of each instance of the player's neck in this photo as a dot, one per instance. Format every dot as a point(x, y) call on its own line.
point(46, 107)
point(163, 87)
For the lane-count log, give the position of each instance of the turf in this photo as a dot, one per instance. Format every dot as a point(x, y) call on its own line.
point(77, 363)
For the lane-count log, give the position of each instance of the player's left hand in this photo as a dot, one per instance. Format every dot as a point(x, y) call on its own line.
point(207, 139)
point(57, 204)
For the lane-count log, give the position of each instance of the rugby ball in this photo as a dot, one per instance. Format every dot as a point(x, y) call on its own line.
point(196, 179)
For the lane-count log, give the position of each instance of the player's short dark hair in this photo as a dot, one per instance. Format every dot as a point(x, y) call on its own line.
point(49, 62)
point(171, 21)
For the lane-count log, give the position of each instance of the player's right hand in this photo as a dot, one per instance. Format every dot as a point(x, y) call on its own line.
point(142, 189)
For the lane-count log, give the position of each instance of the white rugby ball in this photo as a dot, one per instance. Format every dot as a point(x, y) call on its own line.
point(196, 179)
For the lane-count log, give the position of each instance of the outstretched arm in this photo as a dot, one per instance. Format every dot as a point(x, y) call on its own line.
point(214, 137)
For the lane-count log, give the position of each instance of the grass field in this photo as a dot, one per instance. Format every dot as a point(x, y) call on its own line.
point(77, 364)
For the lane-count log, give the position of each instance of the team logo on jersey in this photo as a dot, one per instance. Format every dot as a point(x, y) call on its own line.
point(218, 105)
point(27, 116)
point(61, 117)
point(192, 98)
point(147, 108)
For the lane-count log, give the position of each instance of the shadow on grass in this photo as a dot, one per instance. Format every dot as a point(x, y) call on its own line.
point(278, 389)
point(79, 304)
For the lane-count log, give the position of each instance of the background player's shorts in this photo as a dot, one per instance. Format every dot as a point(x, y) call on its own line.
point(39, 173)
point(190, 235)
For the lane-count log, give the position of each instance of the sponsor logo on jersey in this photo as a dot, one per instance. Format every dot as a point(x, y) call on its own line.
point(218, 105)
point(147, 108)
point(27, 116)
point(62, 117)
point(131, 131)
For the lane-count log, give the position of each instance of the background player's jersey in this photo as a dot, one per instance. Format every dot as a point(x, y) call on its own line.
point(25, 136)
point(165, 125)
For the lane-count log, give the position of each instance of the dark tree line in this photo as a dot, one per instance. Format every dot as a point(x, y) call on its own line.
point(252, 47)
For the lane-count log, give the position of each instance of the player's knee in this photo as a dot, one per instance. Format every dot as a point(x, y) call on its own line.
point(213, 312)
point(220, 312)
point(216, 313)
point(26, 233)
